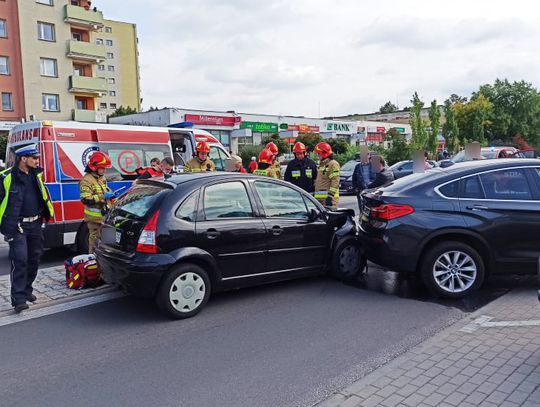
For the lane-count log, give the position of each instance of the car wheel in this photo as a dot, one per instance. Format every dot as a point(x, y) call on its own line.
point(348, 261)
point(452, 269)
point(184, 291)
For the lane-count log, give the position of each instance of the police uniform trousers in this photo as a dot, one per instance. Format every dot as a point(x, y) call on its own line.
point(25, 250)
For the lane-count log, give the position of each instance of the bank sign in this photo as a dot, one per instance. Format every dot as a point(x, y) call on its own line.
point(340, 127)
point(260, 127)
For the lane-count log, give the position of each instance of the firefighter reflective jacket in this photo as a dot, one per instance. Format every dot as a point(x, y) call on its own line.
point(302, 173)
point(327, 182)
point(11, 203)
point(267, 172)
point(196, 165)
point(92, 188)
point(277, 168)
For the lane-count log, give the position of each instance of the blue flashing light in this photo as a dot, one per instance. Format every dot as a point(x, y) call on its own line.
point(181, 125)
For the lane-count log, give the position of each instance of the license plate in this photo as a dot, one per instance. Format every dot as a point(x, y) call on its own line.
point(118, 236)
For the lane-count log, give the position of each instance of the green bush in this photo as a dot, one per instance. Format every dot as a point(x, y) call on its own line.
point(282, 146)
point(310, 140)
point(247, 151)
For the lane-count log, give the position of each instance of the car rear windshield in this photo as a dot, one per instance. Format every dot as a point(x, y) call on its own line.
point(414, 180)
point(138, 200)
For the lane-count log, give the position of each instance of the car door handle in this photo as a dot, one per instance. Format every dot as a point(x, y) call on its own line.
point(212, 233)
point(478, 208)
point(276, 230)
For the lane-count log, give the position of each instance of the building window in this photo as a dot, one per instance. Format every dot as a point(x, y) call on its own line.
point(50, 103)
point(76, 36)
point(4, 65)
point(48, 67)
point(103, 105)
point(113, 105)
point(7, 102)
point(110, 68)
point(82, 104)
point(3, 29)
point(75, 3)
point(112, 81)
point(110, 55)
point(109, 43)
point(99, 41)
point(47, 2)
point(108, 29)
point(112, 93)
point(101, 67)
point(46, 32)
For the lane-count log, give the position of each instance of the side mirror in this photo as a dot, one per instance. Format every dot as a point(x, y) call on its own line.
point(313, 215)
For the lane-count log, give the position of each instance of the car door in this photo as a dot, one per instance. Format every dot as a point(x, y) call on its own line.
point(295, 243)
point(504, 205)
point(229, 229)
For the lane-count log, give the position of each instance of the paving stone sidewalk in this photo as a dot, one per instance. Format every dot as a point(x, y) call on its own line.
point(49, 287)
point(491, 358)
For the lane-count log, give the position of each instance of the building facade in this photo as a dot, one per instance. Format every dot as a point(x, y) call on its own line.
point(51, 57)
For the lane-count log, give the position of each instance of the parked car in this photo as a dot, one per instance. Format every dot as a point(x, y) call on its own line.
point(345, 178)
point(404, 168)
point(487, 153)
point(455, 226)
point(530, 153)
point(178, 240)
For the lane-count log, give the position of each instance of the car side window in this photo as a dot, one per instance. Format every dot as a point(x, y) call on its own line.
point(450, 190)
point(472, 188)
point(188, 209)
point(226, 200)
point(508, 184)
point(281, 201)
point(218, 157)
point(310, 205)
point(406, 167)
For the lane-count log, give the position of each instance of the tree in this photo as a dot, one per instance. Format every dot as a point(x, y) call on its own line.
point(3, 145)
point(310, 140)
point(339, 146)
point(399, 150)
point(516, 109)
point(457, 99)
point(473, 118)
point(450, 128)
point(388, 107)
point(123, 111)
point(282, 146)
point(435, 124)
point(418, 126)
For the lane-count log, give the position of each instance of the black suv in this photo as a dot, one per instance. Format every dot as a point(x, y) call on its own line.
point(179, 239)
point(456, 225)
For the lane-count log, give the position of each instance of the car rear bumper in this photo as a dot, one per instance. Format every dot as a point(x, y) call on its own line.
point(139, 274)
point(382, 251)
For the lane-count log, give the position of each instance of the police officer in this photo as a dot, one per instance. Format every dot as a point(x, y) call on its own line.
point(24, 207)
point(302, 171)
point(265, 168)
point(327, 182)
point(95, 195)
point(200, 162)
point(275, 152)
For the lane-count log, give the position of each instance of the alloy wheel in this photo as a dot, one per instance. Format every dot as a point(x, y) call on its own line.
point(455, 271)
point(187, 292)
point(349, 260)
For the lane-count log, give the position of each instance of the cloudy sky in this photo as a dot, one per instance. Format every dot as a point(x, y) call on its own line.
point(335, 57)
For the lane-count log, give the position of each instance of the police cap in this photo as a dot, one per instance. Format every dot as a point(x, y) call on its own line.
point(28, 150)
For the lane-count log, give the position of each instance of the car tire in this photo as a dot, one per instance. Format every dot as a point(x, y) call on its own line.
point(184, 291)
point(452, 269)
point(348, 261)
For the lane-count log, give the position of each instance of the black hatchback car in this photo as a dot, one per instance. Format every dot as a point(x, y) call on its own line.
point(457, 225)
point(180, 239)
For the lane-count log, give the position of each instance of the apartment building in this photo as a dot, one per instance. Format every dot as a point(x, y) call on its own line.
point(61, 60)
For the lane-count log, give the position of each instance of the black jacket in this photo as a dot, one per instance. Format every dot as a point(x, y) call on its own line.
point(297, 173)
point(384, 177)
point(9, 225)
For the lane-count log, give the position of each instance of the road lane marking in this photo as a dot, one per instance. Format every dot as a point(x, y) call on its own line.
point(55, 309)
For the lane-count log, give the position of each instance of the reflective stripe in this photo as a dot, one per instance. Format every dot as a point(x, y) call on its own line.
point(321, 194)
point(7, 185)
point(296, 174)
point(261, 172)
point(309, 173)
point(93, 212)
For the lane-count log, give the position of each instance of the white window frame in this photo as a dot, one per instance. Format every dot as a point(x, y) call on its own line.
point(46, 2)
point(109, 43)
point(45, 105)
point(110, 68)
point(8, 71)
point(3, 22)
point(10, 97)
point(41, 32)
point(101, 67)
point(112, 93)
point(99, 41)
point(110, 55)
point(111, 81)
point(108, 29)
point(113, 106)
point(42, 66)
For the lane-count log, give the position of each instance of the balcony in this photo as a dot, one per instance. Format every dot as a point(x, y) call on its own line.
point(80, 17)
point(88, 85)
point(91, 116)
point(86, 51)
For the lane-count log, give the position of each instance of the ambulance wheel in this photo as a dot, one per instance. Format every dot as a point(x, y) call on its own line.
point(348, 261)
point(184, 291)
point(81, 241)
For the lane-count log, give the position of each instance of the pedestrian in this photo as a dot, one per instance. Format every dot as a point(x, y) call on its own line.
point(427, 164)
point(25, 207)
point(237, 161)
point(201, 162)
point(148, 172)
point(96, 196)
point(302, 171)
point(265, 168)
point(363, 175)
point(327, 181)
point(252, 165)
point(384, 176)
point(275, 151)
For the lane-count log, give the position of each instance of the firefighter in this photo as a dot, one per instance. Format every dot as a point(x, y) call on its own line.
point(266, 158)
point(24, 208)
point(200, 162)
point(327, 182)
point(275, 152)
point(302, 171)
point(95, 195)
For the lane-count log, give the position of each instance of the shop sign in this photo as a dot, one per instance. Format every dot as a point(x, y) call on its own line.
point(374, 138)
point(381, 130)
point(260, 127)
point(284, 126)
point(225, 121)
point(8, 125)
point(340, 127)
point(400, 129)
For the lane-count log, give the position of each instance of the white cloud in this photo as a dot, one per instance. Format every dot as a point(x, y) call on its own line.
point(289, 57)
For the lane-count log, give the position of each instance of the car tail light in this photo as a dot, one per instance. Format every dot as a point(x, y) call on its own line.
point(388, 212)
point(147, 239)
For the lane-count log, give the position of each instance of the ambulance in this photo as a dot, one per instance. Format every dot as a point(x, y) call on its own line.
point(66, 146)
